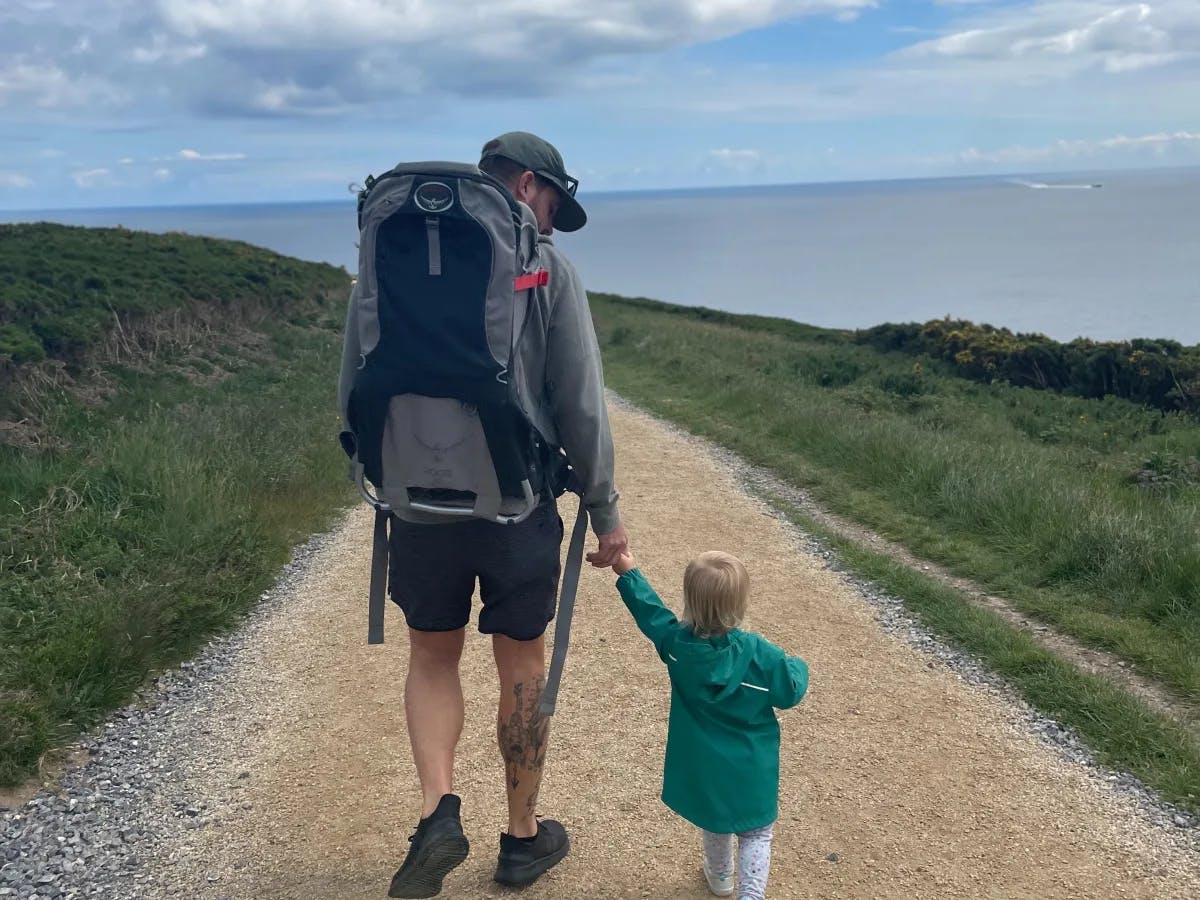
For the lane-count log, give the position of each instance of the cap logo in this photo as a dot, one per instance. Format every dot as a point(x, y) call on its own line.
point(434, 197)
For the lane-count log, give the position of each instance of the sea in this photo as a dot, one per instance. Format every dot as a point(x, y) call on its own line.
point(1109, 256)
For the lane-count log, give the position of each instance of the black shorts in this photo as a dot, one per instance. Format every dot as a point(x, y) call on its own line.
point(434, 567)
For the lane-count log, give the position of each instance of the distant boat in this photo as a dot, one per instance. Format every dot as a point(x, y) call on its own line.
point(1043, 186)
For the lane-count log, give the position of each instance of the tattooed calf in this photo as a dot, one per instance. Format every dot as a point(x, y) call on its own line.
point(523, 736)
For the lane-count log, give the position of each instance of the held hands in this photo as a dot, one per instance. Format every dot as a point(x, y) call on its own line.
point(624, 563)
point(612, 545)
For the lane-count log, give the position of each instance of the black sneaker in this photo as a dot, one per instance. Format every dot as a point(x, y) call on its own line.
point(524, 860)
point(438, 845)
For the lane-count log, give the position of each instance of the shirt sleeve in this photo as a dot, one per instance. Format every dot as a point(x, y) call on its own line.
point(350, 356)
point(575, 386)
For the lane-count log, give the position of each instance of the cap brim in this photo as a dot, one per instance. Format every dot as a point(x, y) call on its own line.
point(570, 215)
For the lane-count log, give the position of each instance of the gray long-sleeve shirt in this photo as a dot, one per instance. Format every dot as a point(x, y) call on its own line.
point(558, 377)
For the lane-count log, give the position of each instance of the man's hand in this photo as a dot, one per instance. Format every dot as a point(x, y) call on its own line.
point(612, 545)
point(624, 563)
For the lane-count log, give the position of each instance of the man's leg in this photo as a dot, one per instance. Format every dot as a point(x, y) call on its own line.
point(433, 706)
point(518, 585)
point(522, 732)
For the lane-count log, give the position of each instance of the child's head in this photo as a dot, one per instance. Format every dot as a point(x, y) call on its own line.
point(715, 590)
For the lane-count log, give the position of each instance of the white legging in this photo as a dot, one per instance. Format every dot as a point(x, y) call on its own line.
point(754, 859)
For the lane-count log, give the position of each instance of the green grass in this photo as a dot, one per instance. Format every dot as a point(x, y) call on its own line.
point(1086, 513)
point(1120, 730)
point(156, 518)
point(62, 286)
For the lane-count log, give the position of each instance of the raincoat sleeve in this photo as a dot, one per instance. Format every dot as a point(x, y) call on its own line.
point(787, 678)
point(653, 618)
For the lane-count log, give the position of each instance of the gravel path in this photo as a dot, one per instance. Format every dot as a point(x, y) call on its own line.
point(277, 766)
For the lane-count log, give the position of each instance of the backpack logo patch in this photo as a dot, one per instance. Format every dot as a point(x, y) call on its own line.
point(434, 197)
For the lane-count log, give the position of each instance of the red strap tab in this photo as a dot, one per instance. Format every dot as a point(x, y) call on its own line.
point(540, 278)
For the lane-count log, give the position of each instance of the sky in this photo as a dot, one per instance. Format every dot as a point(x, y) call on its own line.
point(165, 102)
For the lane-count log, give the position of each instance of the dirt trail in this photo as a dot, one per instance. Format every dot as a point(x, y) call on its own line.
point(922, 785)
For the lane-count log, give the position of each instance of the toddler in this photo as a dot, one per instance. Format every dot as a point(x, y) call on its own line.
point(721, 771)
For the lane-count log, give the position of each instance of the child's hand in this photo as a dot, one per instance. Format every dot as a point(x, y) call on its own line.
point(624, 563)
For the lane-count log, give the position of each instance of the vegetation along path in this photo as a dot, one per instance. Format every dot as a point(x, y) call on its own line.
point(899, 778)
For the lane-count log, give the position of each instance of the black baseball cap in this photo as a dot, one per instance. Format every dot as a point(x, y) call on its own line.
point(542, 158)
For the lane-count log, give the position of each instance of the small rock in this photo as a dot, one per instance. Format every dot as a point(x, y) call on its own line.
point(833, 857)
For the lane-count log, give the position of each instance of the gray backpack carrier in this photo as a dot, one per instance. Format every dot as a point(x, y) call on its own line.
point(446, 273)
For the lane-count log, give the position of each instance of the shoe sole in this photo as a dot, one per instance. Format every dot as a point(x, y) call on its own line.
point(527, 873)
point(430, 869)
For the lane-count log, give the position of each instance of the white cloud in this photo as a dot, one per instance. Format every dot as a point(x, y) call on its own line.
point(273, 58)
point(740, 160)
point(130, 178)
point(281, 99)
point(192, 154)
point(1007, 77)
point(1107, 62)
point(505, 24)
point(93, 178)
point(734, 157)
point(14, 181)
point(40, 84)
point(1052, 38)
point(1158, 145)
point(163, 49)
point(296, 57)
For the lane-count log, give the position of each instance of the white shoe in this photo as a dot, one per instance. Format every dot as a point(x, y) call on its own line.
point(720, 884)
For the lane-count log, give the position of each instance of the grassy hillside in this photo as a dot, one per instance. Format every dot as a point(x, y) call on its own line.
point(1084, 512)
point(170, 413)
point(63, 288)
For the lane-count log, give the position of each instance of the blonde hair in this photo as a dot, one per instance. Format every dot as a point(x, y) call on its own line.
point(715, 590)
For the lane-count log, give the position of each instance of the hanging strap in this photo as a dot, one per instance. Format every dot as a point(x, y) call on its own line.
point(566, 609)
point(379, 573)
point(433, 236)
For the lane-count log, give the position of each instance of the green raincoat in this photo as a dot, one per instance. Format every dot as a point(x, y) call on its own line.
point(721, 770)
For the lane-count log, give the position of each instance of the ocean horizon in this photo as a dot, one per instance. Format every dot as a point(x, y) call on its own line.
point(1106, 255)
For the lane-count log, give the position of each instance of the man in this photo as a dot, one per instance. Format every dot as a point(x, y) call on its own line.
point(434, 565)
